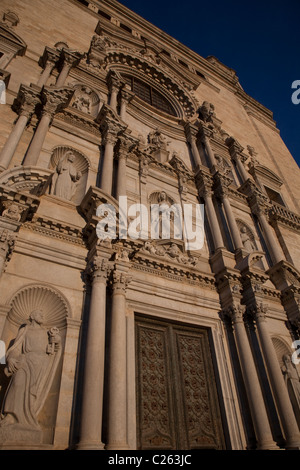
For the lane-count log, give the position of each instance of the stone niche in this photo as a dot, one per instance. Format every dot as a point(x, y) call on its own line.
point(70, 172)
point(34, 334)
point(86, 100)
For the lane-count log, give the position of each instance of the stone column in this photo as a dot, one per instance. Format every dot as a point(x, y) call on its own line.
point(69, 59)
point(125, 97)
point(223, 183)
point(125, 145)
point(114, 85)
point(110, 137)
point(252, 386)
point(117, 383)
point(26, 102)
point(280, 392)
point(93, 381)
point(48, 61)
point(276, 254)
point(235, 150)
point(191, 132)
point(206, 192)
point(55, 99)
point(206, 133)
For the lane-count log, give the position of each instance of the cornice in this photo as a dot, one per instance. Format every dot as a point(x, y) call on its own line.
point(55, 229)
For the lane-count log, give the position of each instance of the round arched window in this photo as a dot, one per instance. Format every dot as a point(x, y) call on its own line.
point(150, 95)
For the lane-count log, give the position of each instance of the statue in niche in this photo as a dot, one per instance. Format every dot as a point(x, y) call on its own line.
point(292, 381)
point(31, 363)
point(247, 242)
point(83, 100)
point(65, 178)
point(169, 218)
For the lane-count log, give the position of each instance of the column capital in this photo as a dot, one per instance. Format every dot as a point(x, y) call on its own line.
point(26, 101)
point(100, 269)
point(70, 58)
point(258, 311)
point(204, 184)
point(222, 183)
point(235, 148)
point(55, 99)
point(50, 56)
point(205, 132)
point(120, 281)
point(126, 94)
point(191, 131)
point(110, 125)
point(126, 144)
point(113, 81)
point(235, 312)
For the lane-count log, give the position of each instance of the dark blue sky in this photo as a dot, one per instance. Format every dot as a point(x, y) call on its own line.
point(260, 40)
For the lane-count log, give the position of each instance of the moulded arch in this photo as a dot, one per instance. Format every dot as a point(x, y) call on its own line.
point(53, 303)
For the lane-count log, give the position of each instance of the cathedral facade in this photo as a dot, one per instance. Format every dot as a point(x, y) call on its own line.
point(140, 341)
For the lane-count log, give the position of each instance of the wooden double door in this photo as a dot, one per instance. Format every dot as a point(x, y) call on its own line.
point(177, 399)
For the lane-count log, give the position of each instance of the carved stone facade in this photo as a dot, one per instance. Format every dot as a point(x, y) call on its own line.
point(140, 342)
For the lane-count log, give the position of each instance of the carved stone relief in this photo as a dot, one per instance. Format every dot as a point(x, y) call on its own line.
point(70, 174)
point(36, 326)
point(85, 100)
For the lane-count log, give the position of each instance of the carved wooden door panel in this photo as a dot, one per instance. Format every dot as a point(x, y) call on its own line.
point(177, 401)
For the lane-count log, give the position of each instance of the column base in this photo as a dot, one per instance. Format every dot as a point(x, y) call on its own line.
point(292, 445)
point(90, 445)
point(117, 446)
point(268, 445)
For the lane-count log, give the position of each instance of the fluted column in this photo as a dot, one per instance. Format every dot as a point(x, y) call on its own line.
point(117, 382)
point(48, 61)
point(280, 392)
point(252, 386)
point(93, 380)
point(27, 100)
point(205, 190)
point(55, 99)
point(70, 59)
point(206, 133)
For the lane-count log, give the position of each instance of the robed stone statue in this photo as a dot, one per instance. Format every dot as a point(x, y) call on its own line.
point(31, 363)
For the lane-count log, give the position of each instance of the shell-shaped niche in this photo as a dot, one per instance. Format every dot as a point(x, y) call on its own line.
point(70, 173)
point(40, 297)
point(85, 100)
